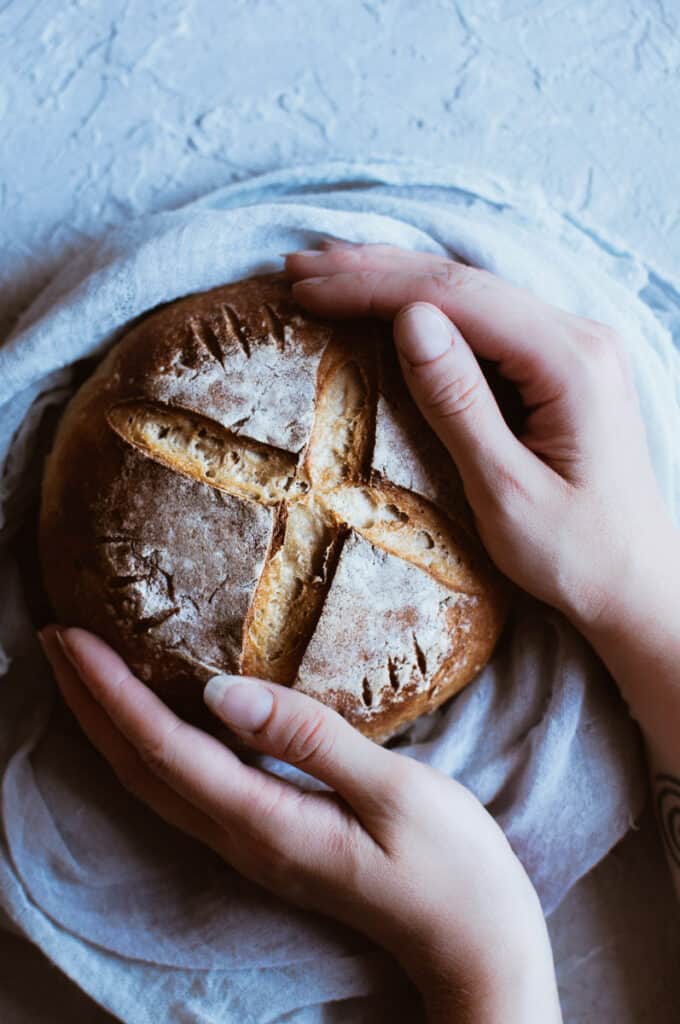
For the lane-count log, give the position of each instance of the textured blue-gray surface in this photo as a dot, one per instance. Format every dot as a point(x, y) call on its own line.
point(112, 109)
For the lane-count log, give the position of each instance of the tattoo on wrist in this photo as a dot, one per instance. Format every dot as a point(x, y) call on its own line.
point(668, 810)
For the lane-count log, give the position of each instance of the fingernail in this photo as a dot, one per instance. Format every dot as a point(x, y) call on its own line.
point(422, 334)
point(45, 639)
point(244, 705)
point(67, 649)
point(308, 253)
point(313, 281)
point(62, 643)
point(331, 242)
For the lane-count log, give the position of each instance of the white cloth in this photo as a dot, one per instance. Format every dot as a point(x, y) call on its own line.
point(152, 926)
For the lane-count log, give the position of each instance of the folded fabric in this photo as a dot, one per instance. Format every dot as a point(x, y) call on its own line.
point(151, 925)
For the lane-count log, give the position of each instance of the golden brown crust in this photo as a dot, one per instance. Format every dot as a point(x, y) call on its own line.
point(240, 487)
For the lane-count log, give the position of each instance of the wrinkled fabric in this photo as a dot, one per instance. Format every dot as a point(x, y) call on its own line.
point(148, 923)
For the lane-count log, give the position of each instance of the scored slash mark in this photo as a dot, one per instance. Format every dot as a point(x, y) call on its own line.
point(205, 334)
point(276, 326)
point(421, 660)
point(393, 674)
point(235, 328)
point(366, 693)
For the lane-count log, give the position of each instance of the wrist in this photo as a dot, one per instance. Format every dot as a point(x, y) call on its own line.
point(645, 594)
point(519, 986)
point(505, 975)
point(639, 642)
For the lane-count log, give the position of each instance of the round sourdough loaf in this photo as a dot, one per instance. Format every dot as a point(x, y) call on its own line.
point(242, 487)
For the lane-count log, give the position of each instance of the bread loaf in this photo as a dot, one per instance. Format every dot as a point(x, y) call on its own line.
point(242, 487)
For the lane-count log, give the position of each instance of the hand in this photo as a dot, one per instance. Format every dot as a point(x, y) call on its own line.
point(570, 510)
point(396, 850)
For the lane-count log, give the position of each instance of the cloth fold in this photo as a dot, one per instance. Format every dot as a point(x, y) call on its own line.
point(151, 925)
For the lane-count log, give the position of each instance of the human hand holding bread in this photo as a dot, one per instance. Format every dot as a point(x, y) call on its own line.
point(569, 511)
point(571, 508)
point(396, 849)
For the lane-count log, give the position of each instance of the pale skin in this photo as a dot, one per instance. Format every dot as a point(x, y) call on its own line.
point(570, 511)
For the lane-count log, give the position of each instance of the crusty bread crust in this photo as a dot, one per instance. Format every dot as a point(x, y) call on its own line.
point(241, 487)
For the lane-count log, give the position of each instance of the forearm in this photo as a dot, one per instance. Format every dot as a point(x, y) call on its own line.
point(640, 645)
point(529, 996)
point(639, 642)
point(511, 979)
point(532, 998)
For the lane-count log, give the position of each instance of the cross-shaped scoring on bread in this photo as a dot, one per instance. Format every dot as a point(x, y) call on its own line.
point(318, 497)
point(242, 487)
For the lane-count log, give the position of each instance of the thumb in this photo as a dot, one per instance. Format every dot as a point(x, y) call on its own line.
point(298, 729)
point(447, 384)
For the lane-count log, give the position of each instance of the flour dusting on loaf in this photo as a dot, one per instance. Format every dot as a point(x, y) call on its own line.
point(383, 635)
point(242, 487)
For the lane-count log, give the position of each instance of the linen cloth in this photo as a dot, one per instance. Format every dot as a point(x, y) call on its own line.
point(149, 924)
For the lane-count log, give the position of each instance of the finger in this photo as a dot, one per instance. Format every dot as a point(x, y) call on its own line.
point(272, 832)
point(529, 339)
point(334, 259)
point(450, 389)
point(295, 728)
point(122, 756)
point(197, 766)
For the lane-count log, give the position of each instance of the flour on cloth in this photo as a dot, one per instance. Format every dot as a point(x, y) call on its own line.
point(151, 925)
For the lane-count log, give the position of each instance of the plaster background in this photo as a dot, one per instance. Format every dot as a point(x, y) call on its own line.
point(114, 108)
